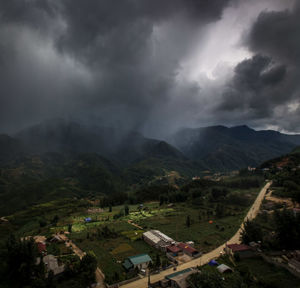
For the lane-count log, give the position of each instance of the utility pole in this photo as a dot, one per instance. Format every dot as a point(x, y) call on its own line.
point(149, 283)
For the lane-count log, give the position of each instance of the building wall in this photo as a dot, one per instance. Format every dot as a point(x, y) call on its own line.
point(142, 265)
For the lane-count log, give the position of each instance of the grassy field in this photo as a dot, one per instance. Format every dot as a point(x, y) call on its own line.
point(276, 277)
point(256, 270)
point(206, 229)
point(205, 235)
point(111, 252)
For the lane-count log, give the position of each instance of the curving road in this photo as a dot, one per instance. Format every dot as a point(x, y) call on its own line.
point(204, 259)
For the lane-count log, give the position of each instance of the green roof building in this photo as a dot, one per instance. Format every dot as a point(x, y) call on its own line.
point(140, 261)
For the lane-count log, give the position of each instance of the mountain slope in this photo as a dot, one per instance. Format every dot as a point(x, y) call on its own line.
point(51, 176)
point(222, 148)
point(123, 147)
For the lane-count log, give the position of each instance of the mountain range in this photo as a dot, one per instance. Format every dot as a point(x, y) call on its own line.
point(223, 148)
point(59, 159)
point(216, 148)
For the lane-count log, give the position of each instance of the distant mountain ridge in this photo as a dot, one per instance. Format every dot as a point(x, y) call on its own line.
point(216, 148)
point(60, 159)
point(115, 144)
point(223, 148)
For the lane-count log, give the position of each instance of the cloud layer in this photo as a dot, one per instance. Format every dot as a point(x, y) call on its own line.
point(145, 64)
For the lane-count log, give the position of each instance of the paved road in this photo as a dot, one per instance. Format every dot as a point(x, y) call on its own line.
point(252, 213)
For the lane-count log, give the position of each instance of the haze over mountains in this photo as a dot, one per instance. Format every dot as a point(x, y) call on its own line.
point(58, 159)
point(216, 147)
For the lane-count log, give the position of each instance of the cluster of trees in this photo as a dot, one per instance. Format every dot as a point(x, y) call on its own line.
point(102, 233)
point(251, 232)
point(241, 277)
point(20, 258)
point(22, 269)
point(210, 278)
point(286, 226)
point(197, 191)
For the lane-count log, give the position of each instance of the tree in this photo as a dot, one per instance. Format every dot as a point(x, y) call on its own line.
point(206, 279)
point(199, 216)
point(188, 221)
point(251, 232)
point(157, 261)
point(69, 228)
point(220, 210)
point(21, 262)
point(55, 220)
point(126, 209)
point(88, 266)
point(287, 227)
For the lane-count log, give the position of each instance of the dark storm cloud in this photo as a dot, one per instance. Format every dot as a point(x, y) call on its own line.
point(277, 34)
point(123, 62)
point(112, 60)
point(253, 80)
point(90, 24)
point(265, 89)
point(34, 13)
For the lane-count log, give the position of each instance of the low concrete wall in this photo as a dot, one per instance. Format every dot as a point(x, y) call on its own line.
point(123, 282)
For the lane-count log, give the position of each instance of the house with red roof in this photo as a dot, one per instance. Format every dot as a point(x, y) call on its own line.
point(174, 250)
point(42, 248)
point(189, 250)
point(244, 251)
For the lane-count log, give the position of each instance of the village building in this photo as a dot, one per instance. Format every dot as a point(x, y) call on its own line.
point(140, 262)
point(42, 248)
point(187, 249)
point(224, 269)
point(294, 264)
point(51, 264)
point(158, 239)
point(244, 251)
point(174, 250)
point(151, 239)
point(179, 279)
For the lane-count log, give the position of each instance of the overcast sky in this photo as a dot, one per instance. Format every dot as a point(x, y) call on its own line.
point(151, 65)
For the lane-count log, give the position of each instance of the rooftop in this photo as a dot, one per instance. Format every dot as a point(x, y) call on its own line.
point(173, 275)
point(41, 247)
point(152, 237)
point(127, 264)
point(173, 249)
point(187, 248)
point(224, 268)
point(139, 259)
point(238, 247)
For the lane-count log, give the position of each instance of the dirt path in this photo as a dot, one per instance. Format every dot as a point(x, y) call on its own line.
point(4, 219)
point(287, 201)
point(252, 213)
point(135, 225)
point(98, 273)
